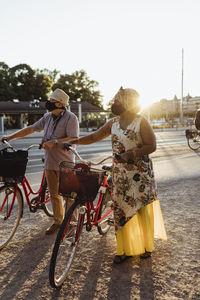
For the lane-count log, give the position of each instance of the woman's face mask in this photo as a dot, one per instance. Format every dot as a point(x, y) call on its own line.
point(117, 109)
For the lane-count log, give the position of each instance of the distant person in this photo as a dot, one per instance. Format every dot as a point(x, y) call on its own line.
point(59, 125)
point(135, 203)
point(197, 119)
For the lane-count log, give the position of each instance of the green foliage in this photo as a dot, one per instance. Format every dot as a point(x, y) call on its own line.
point(51, 74)
point(29, 84)
point(79, 87)
point(25, 84)
point(42, 87)
point(6, 90)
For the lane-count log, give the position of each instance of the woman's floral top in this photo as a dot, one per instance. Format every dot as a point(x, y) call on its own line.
point(133, 182)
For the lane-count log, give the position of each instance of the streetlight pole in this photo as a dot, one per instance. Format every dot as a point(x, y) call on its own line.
point(181, 104)
point(79, 110)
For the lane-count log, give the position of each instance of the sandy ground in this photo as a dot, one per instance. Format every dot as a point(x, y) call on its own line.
point(173, 271)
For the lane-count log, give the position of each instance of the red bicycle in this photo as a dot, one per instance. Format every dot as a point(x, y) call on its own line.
point(13, 166)
point(91, 190)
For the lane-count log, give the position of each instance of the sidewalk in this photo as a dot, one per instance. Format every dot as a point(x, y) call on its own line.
point(172, 273)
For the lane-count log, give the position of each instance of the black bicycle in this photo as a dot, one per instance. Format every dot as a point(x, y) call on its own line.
point(193, 138)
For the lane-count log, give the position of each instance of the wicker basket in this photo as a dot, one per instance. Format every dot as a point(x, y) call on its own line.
point(191, 134)
point(81, 179)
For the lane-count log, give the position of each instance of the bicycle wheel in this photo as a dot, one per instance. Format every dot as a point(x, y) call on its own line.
point(65, 247)
point(104, 226)
point(47, 207)
point(194, 142)
point(14, 206)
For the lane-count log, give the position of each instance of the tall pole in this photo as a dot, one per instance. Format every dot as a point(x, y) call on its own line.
point(181, 104)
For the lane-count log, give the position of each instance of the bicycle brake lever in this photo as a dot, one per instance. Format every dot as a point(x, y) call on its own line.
point(67, 146)
point(4, 141)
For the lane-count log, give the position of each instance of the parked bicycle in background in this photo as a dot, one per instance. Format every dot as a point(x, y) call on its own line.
point(193, 138)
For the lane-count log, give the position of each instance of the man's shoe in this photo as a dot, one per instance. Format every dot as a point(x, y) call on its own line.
point(53, 228)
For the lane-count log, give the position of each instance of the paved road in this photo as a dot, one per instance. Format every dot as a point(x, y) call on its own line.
point(172, 159)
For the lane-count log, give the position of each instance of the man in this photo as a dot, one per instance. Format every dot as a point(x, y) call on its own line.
point(59, 125)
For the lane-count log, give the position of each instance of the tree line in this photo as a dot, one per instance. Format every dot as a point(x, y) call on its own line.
point(26, 84)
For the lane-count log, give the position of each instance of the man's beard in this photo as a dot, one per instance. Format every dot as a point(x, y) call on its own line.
point(117, 109)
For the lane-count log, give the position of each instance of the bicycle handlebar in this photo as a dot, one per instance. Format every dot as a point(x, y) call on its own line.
point(39, 146)
point(67, 147)
point(89, 163)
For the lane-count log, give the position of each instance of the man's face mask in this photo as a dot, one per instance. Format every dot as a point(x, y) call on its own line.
point(52, 106)
point(117, 109)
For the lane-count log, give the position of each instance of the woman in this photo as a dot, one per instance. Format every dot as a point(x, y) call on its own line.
point(137, 214)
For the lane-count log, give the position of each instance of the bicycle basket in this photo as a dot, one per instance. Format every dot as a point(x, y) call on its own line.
point(190, 134)
point(79, 179)
point(13, 164)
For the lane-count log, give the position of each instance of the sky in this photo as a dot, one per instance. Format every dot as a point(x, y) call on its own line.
point(131, 43)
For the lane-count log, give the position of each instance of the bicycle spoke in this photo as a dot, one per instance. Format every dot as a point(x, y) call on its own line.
point(194, 142)
point(65, 247)
point(105, 208)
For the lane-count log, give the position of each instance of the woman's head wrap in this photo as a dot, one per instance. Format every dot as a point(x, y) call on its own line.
point(129, 98)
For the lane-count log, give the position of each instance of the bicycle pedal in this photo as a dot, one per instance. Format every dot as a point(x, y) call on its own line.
point(33, 209)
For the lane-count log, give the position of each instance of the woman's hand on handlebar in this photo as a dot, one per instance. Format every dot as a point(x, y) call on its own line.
point(124, 157)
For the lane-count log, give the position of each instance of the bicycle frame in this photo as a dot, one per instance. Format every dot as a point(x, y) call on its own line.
point(27, 192)
point(13, 201)
point(90, 206)
point(27, 189)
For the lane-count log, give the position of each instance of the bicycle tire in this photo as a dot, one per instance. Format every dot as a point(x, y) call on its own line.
point(194, 142)
point(47, 207)
point(65, 247)
point(104, 228)
point(8, 225)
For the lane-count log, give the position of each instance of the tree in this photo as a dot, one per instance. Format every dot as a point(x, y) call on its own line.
point(51, 74)
point(6, 90)
point(43, 86)
point(23, 82)
point(79, 86)
point(29, 84)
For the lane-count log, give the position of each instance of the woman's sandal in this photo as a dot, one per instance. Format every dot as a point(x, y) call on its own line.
point(118, 259)
point(145, 255)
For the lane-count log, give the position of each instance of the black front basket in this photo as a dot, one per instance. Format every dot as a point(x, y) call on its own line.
point(13, 164)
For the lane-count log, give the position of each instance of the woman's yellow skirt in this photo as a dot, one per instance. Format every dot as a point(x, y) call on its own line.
point(137, 235)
